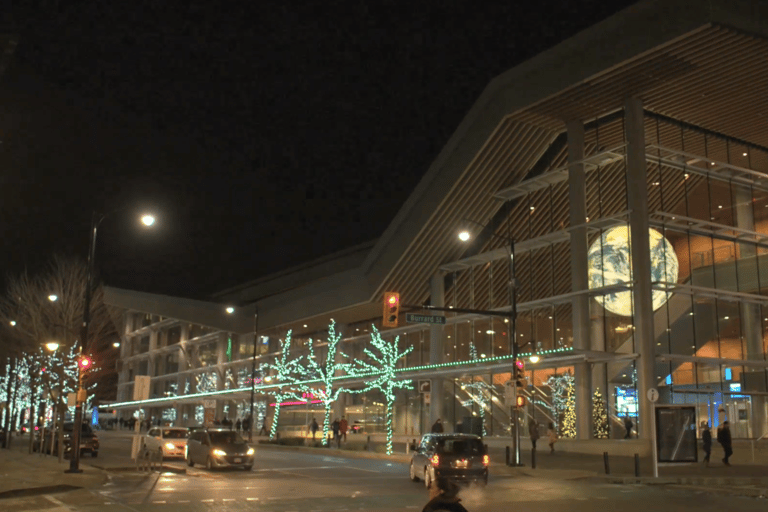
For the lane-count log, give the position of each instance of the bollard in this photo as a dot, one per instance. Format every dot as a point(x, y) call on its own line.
point(368, 444)
point(533, 458)
point(507, 455)
point(637, 465)
point(605, 461)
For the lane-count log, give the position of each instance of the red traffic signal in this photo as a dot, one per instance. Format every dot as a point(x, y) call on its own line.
point(84, 362)
point(520, 365)
point(391, 309)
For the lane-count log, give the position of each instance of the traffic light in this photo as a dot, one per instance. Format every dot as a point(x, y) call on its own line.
point(84, 363)
point(520, 401)
point(391, 309)
point(520, 380)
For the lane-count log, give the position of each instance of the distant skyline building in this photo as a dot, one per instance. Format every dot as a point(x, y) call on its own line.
point(629, 164)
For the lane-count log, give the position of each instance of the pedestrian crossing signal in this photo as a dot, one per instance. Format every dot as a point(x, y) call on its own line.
point(391, 309)
point(520, 401)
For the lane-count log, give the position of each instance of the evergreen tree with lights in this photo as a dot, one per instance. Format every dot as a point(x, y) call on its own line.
point(479, 389)
point(562, 403)
point(383, 357)
point(568, 428)
point(599, 416)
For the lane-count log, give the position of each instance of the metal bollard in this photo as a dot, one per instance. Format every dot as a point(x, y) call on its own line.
point(507, 455)
point(605, 462)
point(368, 444)
point(533, 458)
point(637, 465)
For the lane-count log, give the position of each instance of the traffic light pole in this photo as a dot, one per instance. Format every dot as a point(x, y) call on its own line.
point(74, 460)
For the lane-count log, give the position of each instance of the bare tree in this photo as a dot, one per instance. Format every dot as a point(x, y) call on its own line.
point(30, 318)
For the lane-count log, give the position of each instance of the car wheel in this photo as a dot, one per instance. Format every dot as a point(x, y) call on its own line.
point(427, 478)
point(94, 454)
point(412, 471)
point(190, 462)
point(208, 464)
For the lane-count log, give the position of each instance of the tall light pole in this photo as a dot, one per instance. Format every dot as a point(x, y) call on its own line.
point(465, 236)
point(96, 220)
point(252, 419)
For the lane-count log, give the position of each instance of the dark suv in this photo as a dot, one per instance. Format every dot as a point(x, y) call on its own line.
point(454, 457)
point(89, 442)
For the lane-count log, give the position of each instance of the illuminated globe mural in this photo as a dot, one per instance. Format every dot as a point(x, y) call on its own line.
point(610, 263)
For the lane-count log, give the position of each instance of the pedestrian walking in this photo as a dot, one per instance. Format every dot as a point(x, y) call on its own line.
point(313, 428)
point(552, 437)
point(724, 438)
point(264, 427)
point(343, 427)
point(533, 431)
point(238, 424)
point(628, 426)
point(335, 427)
point(706, 442)
point(438, 426)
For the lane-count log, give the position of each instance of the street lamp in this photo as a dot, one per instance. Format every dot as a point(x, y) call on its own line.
point(465, 236)
point(53, 297)
point(52, 346)
point(96, 220)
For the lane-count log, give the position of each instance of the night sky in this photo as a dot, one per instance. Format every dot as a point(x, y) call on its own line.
point(262, 134)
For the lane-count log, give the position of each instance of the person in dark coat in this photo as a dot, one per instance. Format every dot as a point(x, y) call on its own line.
point(313, 427)
point(336, 428)
point(724, 438)
point(533, 431)
point(628, 426)
point(438, 427)
point(706, 441)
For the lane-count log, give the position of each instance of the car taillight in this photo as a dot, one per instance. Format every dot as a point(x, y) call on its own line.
point(486, 460)
point(435, 460)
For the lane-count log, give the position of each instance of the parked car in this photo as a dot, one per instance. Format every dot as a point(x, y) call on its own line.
point(168, 441)
point(218, 448)
point(454, 457)
point(89, 442)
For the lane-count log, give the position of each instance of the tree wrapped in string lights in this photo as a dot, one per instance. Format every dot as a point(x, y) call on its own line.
point(285, 376)
point(383, 358)
point(563, 401)
point(326, 372)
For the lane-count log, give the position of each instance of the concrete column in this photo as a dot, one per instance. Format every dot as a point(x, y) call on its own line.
point(221, 358)
point(436, 350)
point(597, 344)
point(751, 326)
point(151, 366)
point(637, 194)
point(577, 180)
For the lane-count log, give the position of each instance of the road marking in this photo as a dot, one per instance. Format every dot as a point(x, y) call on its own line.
point(183, 501)
point(207, 501)
point(228, 499)
point(361, 469)
point(252, 499)
point(159, 501)
point(297, 469)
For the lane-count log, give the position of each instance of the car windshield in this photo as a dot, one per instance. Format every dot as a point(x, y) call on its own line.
point(174, 434)
point(458, 446)
point(225, 438)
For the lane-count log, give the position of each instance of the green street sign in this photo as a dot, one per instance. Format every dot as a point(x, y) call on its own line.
point(424, 319)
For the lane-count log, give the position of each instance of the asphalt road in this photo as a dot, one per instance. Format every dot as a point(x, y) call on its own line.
point(288, 481)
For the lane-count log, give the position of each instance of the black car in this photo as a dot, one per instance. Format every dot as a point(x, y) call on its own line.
point(218, 448)
point(453, 457)
point(89, 442)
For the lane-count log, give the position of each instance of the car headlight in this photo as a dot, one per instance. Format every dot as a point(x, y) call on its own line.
point(219, 453)
point(250, 451)
point(170, 446)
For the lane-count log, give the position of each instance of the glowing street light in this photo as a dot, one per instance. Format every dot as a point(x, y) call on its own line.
point(534, 358)
point(464, 236)
point(148, 219)
point(53, 297)
point(230, 310)
point(52, 346)
point(116, 344)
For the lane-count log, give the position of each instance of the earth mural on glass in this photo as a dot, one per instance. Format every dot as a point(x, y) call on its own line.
point(610, 263)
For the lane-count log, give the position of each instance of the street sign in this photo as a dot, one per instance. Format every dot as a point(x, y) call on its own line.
point(424, 319)
point(71, 399)
point(653, 395)
point(425, 386)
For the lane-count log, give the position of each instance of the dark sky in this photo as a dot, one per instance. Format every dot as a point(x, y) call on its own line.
point(262, 133)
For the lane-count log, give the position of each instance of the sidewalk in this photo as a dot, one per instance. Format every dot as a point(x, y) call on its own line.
point(22, 474)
